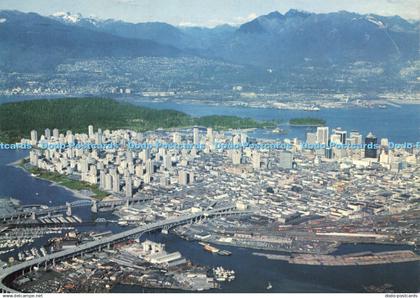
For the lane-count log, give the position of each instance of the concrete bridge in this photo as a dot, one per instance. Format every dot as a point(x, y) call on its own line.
point(95, 207)
point(9, 273)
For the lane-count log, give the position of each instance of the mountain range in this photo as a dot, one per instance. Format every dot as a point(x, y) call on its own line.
point(31, 42)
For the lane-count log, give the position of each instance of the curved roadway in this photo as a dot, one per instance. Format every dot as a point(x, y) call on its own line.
point(93, 245)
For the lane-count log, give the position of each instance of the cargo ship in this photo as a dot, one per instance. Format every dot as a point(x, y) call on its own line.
point(207, 247)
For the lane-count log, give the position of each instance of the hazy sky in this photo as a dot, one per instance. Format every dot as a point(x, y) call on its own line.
point(207, 12)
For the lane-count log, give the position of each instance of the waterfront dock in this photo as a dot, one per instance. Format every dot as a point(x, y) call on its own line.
point(353, 259)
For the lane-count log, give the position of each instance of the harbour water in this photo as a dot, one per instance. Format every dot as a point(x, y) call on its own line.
point(254, 272)
point(399, 124)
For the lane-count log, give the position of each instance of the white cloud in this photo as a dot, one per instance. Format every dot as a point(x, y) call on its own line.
point(188, 24)
point(241, 20)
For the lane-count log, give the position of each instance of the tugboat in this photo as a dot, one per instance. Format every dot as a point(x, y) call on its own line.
point(269, 286)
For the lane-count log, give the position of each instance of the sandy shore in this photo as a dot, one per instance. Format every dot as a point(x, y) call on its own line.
point(76, 193)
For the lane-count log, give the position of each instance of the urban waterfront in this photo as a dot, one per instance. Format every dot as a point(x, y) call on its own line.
point(398, 123)
point(285, 277)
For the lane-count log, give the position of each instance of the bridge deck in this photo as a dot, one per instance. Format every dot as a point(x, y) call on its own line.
point(76, 204)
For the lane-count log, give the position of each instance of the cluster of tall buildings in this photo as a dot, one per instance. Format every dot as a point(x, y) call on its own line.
point(340, 144)
point(279, 183)
point(124, 171)
point(118, 169)
point(338, 137)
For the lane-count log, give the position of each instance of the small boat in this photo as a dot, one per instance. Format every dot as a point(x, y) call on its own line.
point(223, 275)
point(269, 286)
point(224, 253)
point(279, 131)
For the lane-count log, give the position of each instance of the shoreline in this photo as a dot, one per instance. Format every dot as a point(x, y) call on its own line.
point(77, 194)
point(389, 102)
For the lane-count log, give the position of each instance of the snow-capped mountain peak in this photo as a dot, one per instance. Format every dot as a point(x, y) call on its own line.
point(76, 19)
point(375, 21)
point(67, 17)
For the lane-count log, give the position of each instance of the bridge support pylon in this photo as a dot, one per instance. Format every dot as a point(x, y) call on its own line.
point(94, 207)
point(68, 212)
